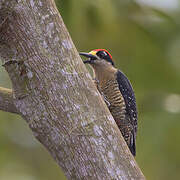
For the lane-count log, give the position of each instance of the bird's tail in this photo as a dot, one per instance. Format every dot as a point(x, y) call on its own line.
point(132, 144)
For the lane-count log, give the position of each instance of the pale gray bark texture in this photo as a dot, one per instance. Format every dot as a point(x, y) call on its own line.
point(54, 93)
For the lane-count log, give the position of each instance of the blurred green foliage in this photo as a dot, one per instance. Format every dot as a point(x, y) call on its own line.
point(145, 44)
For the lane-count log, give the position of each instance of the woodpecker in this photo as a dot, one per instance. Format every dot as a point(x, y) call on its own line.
point(117, 92)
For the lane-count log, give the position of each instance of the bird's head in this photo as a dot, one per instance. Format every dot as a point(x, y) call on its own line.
point(98, 57)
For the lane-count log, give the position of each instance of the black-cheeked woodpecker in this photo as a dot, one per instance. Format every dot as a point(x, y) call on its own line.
point(117, 92)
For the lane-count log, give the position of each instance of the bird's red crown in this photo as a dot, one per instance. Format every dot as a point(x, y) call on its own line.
point(103, 50)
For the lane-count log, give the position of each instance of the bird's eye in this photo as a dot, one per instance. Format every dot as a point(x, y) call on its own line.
point(102, 54)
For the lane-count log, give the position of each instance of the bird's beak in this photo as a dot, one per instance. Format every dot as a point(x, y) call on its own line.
point(90, 57)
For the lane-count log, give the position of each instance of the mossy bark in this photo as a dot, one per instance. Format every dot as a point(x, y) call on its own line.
point(54, 93)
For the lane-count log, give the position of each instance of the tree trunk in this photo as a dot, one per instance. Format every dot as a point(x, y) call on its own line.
point(54, 93)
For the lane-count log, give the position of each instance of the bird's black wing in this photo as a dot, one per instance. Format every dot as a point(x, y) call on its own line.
point(131, 110)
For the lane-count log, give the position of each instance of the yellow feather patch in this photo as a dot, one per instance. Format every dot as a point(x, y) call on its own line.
point(93, 52)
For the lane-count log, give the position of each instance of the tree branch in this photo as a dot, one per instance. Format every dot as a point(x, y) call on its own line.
point(6, 101)
point(55, 94)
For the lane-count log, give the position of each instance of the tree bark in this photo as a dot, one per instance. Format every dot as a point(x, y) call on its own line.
point(54, 93)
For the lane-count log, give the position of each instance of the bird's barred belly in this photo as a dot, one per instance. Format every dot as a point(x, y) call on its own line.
point(115, 99)
point(117, 108)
